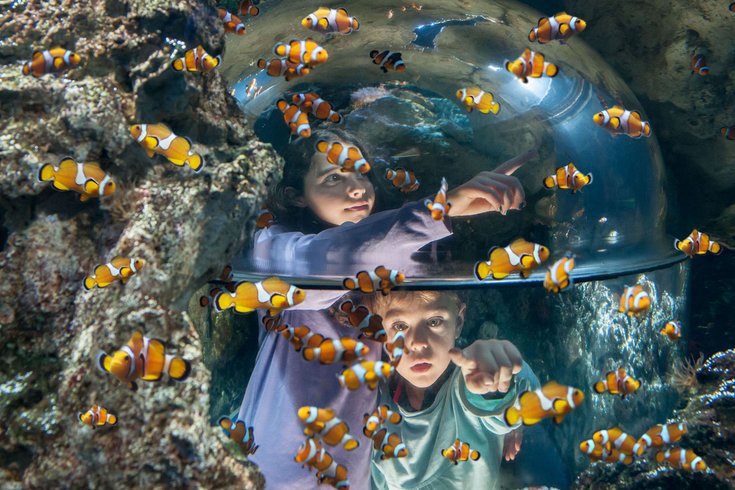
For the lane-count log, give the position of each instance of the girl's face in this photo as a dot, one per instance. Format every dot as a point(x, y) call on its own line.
point(334, 196)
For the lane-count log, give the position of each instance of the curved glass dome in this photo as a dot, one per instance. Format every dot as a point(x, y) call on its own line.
point(414, 120)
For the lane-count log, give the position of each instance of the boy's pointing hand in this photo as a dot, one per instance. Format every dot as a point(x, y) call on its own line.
point(488, 365)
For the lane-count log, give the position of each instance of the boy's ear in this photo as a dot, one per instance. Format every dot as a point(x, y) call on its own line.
point(460, 320)
point(294, 198)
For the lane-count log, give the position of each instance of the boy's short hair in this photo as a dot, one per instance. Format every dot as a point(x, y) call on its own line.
point(380, 304)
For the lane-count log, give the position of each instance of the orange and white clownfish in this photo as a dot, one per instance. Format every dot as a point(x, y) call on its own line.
point(476, 98)
point(326, 20)
point(396, 348)
point(365, 372)
point(520, 256)
point(226, 278)
point(558, 277)
point(672, 330)
point(300, 336)
point(551, 400)
point(55, 60)
point(378, 418)
point(731, 8)
point(389, 444)
point(118, 269)
point(306, 51)
point(348, 158)
point(277, 67)
point(97, 417)
point(405, 180)
point(531, 64)
point(313, 104)
point(248, 7)
point(88, 179)
point(617, 383)
point(273, 294)
point(699, 64)
point(265, 218)
point(143, 358)
point(324, 423)
point(621, 441)
point(196, 59)
point(568, 177)
point(661, 435)
point(388, 60)
point(697, 243)
point(595, 451)
point(460, 451)
point(295, 118)
point(370, 281)
point(158, 138)
point(312, 454)
point(231, 22)
point(634, 300)
point(728, 132)
point(618, 120)
point(370, 325)
point(439, 207)
point(560, 26)
point(241, 434)
point(682, 458)
point(330, 351)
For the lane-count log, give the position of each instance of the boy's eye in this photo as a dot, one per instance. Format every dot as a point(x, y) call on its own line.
point(435, 322)
point(399, 326)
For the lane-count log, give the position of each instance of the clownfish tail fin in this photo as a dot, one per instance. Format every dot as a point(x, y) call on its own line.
point(46, 172)
point(89, 282)
point(179, 369)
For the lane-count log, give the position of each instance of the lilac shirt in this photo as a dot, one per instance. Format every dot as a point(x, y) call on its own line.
point(282, 381)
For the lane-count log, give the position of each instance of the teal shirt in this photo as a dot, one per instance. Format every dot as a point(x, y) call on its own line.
point(455, 414)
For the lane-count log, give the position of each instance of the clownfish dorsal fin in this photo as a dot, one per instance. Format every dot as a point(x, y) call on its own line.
point(37, 53)
point(225, 423)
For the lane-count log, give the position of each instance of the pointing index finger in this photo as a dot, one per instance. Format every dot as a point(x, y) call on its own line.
point(507, 168)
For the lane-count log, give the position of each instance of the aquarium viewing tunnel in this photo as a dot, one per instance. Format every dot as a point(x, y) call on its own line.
point(413, 120)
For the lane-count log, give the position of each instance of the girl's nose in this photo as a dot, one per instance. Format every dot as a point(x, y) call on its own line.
point(356, 187)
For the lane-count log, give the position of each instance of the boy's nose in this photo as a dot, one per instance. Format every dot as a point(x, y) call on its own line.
point(416, 341)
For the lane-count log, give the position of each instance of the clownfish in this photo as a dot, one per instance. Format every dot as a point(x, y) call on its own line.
point(618, 120)
point(232, 23)
point(531, 64)
point(312, 454)
point(660, 435)
point(378, 418)
point(617, 383)
point(370, 281)
point(277, 67)
point(143, 358)
point(307, 52)
point(370, 325)
point(404, 179)
point(731, 8)
point(476, 98)
point(295, 118)
point(672, 330)
point(621, 441)
point(97, 416)
point(520, 256)
point(158, 138)
point(460, 451)
point(682, 458)
point(88, 179)
point(551, 400)
point(227, 278)
point(326, 20)
point(560, 26)
point(247, 7)
point(697, 243)
point(388, 60)
point(196, 59)
point(238, 432)
point(568, 177)
point(330, 429)
point(330, 351)
point(348, 158)
point(558, 277)
point(389, 444)
point(265, 218)
point(272, 294)
point(699, 64)
point(593, 450)
point(634, 300)
point(439, 207)
point(313, 104)
point(728, 133)
point(396, 348)
point(365, 372)
point(118, 269)
point(55, 60)
point(300, 336)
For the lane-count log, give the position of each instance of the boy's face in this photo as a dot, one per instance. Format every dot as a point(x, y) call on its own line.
point(430, 330)
point(336, 197)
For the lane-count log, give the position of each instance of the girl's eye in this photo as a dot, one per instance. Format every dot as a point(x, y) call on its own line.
point(399, 326)
point(332, 178)
point(436, 321)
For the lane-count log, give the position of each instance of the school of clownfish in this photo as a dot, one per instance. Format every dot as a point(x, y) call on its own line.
point(144, 358)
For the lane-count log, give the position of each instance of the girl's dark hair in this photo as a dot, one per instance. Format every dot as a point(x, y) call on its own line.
point(297, 162)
